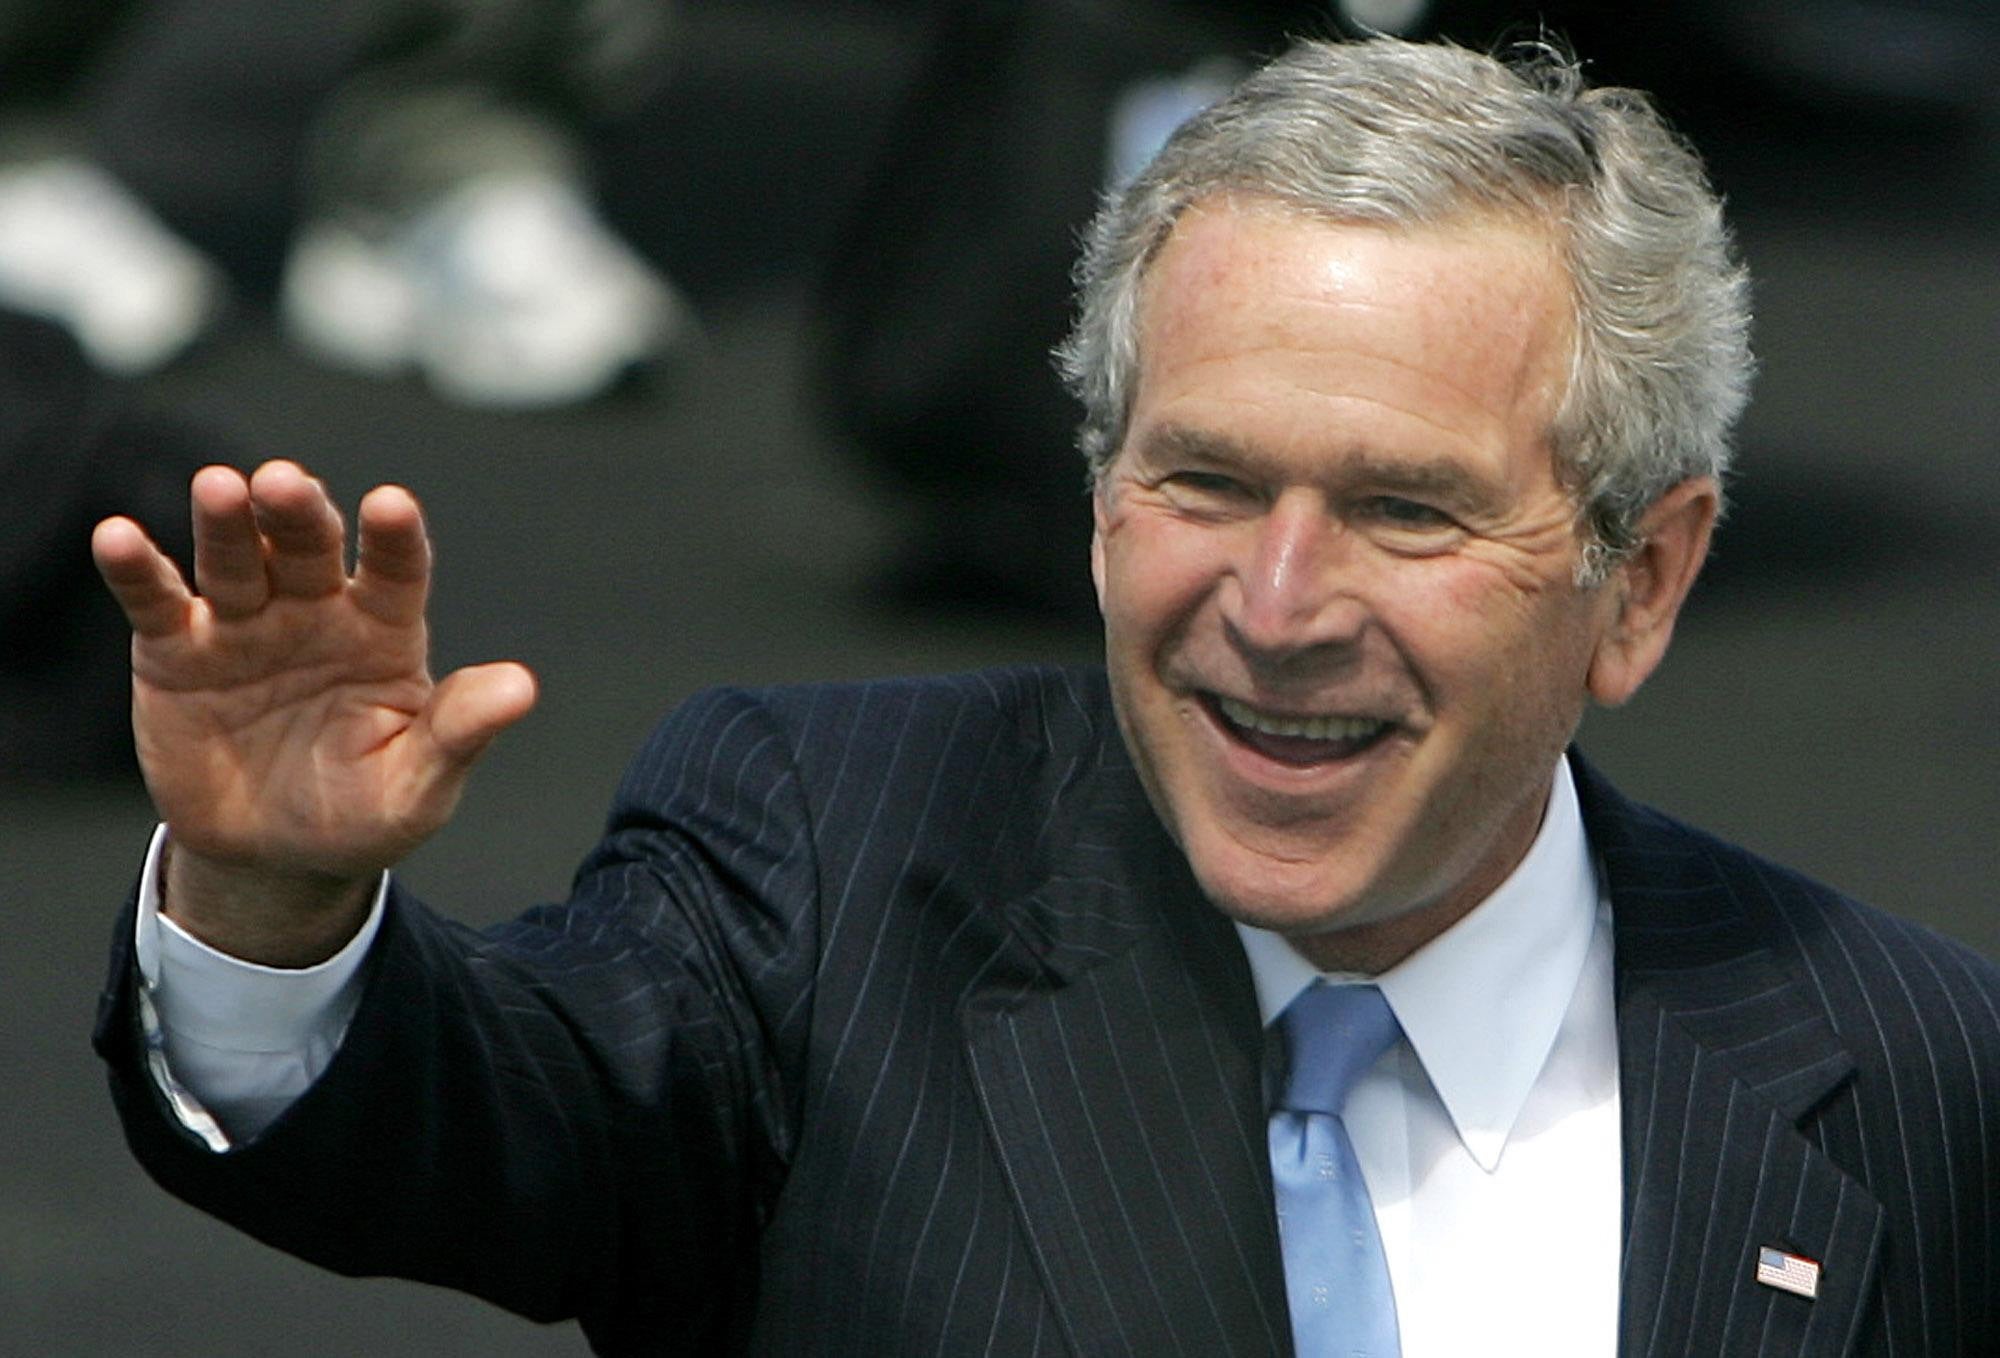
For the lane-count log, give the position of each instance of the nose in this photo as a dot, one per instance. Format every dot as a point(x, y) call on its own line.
point(1295, 581)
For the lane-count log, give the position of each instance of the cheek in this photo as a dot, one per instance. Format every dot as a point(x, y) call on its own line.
point(1444, 617)
point(1502, 584)
point(1154, 572)
point(1508, 660)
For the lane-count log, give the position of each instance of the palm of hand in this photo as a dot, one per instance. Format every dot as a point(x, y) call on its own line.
point(308, 720)
point(285, 717)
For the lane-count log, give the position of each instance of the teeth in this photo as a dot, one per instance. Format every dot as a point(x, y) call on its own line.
point(1309, 728)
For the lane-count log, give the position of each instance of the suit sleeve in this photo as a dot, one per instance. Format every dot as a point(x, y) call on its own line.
point(586, 1112)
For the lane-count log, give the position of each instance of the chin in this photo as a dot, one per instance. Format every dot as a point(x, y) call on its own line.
point(1325, 918)
point(1286, 897)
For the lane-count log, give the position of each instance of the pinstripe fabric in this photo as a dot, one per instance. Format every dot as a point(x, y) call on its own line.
point(1802, 1072)
point(886, 1020)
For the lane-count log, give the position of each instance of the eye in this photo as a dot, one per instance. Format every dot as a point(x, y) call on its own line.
point(1406, 526)
point(1398, 512)
point(1205, 483)
point(1207, 491)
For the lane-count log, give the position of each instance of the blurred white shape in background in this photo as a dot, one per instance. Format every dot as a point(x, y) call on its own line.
point(78, 249)
point(1397, 17)
point(1147, 112)
point(508, 293)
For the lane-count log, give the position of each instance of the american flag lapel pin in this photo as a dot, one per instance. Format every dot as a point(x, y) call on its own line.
point(1788, 1272)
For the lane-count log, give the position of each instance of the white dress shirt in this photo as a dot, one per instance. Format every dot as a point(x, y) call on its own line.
point(1489, 1137)
point(232, 1043)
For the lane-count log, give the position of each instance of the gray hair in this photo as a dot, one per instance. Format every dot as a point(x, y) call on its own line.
point(1413, 134)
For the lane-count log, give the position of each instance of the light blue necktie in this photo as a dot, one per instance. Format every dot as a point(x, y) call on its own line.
point(1335, 1272)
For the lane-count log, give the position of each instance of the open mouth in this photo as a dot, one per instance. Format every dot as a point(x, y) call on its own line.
point(1296, 740)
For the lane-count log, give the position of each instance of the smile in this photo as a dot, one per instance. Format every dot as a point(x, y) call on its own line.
point(1294, 739)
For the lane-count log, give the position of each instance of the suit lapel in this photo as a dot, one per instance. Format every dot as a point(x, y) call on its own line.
point(1123, 1095)
point(1721, 1055)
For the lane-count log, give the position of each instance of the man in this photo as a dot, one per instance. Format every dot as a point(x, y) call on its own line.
point(924, 1016)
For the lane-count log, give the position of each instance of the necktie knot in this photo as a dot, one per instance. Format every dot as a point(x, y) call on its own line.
point(1332, 1035)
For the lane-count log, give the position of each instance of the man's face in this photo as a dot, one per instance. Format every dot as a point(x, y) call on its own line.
point(1337, 571)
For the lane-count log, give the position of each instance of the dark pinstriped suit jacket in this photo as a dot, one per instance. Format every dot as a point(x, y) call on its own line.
point(886, 1020)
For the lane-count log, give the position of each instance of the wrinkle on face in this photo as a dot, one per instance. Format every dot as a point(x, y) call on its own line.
point(1337, 498)
point(1493, 328)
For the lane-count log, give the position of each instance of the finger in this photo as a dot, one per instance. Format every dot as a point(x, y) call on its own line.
point(228, 553)
point(469, 707)
point(392, 576)
point(305, 539)
point(142, 578)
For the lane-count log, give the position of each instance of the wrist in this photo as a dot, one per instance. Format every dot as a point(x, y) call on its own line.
point(256, 914)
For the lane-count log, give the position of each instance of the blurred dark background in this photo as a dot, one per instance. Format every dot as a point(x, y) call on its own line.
point(842, 474)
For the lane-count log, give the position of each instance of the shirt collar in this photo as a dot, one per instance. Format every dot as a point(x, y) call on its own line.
point(1481, 1003)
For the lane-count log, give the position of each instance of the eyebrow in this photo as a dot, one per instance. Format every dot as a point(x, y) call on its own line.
point(1437, 477)
point(1180, 443)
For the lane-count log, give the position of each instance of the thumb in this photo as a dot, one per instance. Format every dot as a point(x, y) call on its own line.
point(469, 707)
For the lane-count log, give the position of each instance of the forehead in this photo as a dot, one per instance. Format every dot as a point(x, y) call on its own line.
point(1468, 323)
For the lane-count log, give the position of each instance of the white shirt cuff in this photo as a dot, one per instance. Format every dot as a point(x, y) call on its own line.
point(233, 1043)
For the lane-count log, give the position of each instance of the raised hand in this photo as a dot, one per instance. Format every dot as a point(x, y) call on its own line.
point(287, 724)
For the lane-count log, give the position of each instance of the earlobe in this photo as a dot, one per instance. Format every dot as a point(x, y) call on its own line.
point(1651, 584)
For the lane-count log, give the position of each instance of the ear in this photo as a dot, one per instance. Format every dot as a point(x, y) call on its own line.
point(1097, 517)
point(1649, 586)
